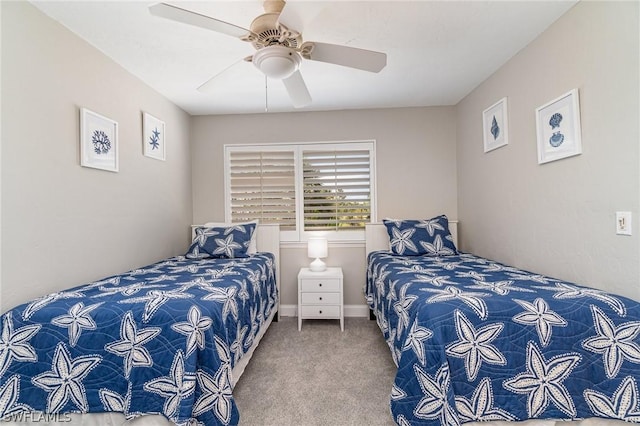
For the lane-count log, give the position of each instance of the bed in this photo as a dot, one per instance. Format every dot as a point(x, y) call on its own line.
point(477, 341)
point(163, 344)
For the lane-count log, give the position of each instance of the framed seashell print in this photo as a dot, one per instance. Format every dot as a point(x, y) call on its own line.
point(558, 128)
point(98, 141)
point(495, 125)
point(153, 137)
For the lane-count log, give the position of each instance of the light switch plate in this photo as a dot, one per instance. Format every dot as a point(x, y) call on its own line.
point(623, 223)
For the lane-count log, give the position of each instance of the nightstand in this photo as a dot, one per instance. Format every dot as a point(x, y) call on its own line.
point(320, 295)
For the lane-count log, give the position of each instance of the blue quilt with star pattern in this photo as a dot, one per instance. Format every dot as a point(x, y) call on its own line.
point(475, 340)
point(162, 339)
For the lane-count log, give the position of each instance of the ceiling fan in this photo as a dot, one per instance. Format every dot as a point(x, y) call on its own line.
point(279, 48)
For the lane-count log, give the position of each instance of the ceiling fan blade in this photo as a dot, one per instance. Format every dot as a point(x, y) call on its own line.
point(175, 13)
point(295, 15)
point(367, 60)
point(212, 85)
point(297, 90)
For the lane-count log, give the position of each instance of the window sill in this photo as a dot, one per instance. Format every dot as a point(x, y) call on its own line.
point(336, 244)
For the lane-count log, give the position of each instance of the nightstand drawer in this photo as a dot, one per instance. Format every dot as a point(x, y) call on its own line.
point(320, 285)
point(320, 298)
point(319, 311)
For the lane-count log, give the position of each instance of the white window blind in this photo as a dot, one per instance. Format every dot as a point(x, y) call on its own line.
point(327, 187)
point(262, 186)
point(337, 189)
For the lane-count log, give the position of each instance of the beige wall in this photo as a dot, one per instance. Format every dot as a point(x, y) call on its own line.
point(63, 224)
point(416, 173)
point(559, 218)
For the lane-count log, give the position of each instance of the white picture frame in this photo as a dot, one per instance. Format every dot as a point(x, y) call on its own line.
point(495, 125)
point(98, 141)
point(558, 128)
point(153, 137)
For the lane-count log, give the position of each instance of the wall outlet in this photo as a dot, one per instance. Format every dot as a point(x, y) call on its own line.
point(623, 223)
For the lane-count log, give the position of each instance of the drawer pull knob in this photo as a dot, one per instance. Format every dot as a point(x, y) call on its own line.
point(321, 298)
point(320, 284)
point(320, 311)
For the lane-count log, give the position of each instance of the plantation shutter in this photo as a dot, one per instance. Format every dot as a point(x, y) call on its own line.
point(262, 186)
point(336, 189)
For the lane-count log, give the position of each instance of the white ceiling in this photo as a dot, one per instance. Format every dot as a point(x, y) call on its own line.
point(437, 51)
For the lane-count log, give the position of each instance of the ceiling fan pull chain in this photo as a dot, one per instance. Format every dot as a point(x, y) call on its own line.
point(266, 95)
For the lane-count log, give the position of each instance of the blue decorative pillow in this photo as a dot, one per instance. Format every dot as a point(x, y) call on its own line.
point(430, 237)
point(224, 242)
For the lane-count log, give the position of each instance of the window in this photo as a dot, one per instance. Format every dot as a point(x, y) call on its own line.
point(324, 187)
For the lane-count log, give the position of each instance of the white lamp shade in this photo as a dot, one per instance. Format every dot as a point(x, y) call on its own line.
point(317, 247)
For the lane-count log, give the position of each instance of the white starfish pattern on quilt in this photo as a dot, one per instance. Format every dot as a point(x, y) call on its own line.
point(113, 401)
point(471, 274)
point(379, 281)
point(194, 328)
point(497, 267)
point(226, 246)
point(437, 247)
point(402, 307)
point(401, 240)
point(175, 387)
point(539, 315)
point(568, 291)
point(522, 276)
point(435, 402)
point(624, 404)
point(131, 344)
point(498, 287)
point(480, 407)
point(161, 279)
point(391, 294)
point(243, 293)
point(397, 393)
point(614, 343)
point(226, 296)
point(14, 344)
point(216, 394)
point(236, 346)
point(9, 395)
point(431, 225)
point(64, 381)
point(41, 302)
point(154, 299)
point(253, 313)
point(543, 381)
point(127, 290)
point(415, 341)
point(475, 345)
point(437, 281)
point(76, 320)
point(471, 299)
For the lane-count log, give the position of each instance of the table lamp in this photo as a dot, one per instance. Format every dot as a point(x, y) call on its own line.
point(317, 248)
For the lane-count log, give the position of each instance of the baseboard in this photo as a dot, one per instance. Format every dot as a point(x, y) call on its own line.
point(349, 311)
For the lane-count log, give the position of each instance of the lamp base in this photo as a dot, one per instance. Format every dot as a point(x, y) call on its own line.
point(317, 266)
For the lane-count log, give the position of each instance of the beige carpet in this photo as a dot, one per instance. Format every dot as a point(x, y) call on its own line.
point(318, 376)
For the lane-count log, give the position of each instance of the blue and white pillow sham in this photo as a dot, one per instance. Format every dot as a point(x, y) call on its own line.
point(430, 237)
point(221, 242)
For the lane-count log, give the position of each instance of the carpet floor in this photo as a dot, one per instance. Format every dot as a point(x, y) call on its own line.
point(318, 376)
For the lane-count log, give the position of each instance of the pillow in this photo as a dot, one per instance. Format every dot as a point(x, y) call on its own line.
point(253, 245)
point(221, 241)
point(429, 237)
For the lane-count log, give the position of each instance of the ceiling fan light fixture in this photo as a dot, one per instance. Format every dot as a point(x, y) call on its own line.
point(277, 62)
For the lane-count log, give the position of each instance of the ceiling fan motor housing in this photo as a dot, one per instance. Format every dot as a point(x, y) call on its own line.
point(270, 33)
